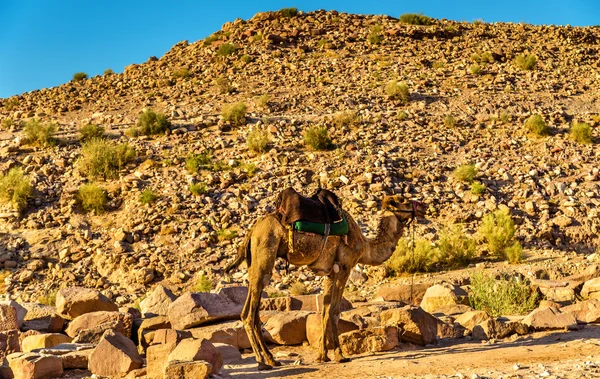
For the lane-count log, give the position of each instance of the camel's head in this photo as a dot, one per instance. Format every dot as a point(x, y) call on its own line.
point(406, 210)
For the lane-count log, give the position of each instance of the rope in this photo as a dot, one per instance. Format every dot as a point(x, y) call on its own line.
point(412, 257)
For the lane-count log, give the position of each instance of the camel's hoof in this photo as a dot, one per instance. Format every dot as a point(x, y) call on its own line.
point(276, 363)
point(342, 359)
point(264, 367)
point(322, 359)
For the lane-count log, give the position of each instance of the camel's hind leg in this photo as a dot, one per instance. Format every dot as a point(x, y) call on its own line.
point(326, 320)
point(338, 292)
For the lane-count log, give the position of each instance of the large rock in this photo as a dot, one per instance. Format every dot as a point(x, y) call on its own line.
point(78, 359)
point(591, 289)
point(193, 309)
point(469, 319)
point(229, 353)
point(47, 324)
point(76, 301)
point(237, 294)
point(197, 350)
point(156, 359)
point(8, 318)
point(115, 355)
point(369, 340)
point(405, 293)
point(162, 336)
point(34, 366)
point(442, 296)
point(9, 343)
point(147, 328)
point(416, 325)
point(586, 312)
point(314, 330)
point(550, 318)
point(231, 333)
point(103, 320)
point(42, 341)
point(21, 311)
point(287, 328)
point(158, 302)
point(188, 370)
point(498, 329)
point(310, 303)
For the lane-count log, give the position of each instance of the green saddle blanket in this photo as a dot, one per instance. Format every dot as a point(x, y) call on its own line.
point(336, 229)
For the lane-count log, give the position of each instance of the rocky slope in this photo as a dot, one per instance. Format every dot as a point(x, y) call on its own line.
point(313, 66)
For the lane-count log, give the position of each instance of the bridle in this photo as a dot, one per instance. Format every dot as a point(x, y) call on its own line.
point(413, 211)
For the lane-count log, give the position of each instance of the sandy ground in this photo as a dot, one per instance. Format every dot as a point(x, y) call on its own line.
point(558, 354)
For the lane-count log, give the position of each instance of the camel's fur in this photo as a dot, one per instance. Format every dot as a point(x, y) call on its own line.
point(268, 239)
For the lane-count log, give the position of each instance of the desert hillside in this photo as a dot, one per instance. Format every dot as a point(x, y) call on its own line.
point(404, 106)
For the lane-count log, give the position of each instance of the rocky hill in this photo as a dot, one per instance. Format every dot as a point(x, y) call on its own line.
point(468, 101)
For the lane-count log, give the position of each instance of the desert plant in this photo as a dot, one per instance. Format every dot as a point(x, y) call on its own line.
point(258, 140)
point(150, 123)
point(475, 69)
point(15, 188)
point(196, 162)
point(210, 39)
point(40, 134)
point(181, 73)
point(7, 123)
point(346, 118)
point(198, 189)
point(246, 58)
point(148, 196)
point(482, 58)
point(397, 91)
point(203, 284)
point(249, 168)
point(504, 117)
point(226, 49)
point(263, 101)
point(526, 61)
point(408, 259)
point(223, 84)
point(581, 132)
point(514, 253)
point(298, 289)
point(11, 104)
point(416, 19)
point(3, 275)
point(477, 188)
point(505, 296)
point(108, 71)
point(465, 173)
point(226, 234)
point(288, 12)
point(92, 197)
point(375, 37)
point(402, 115)
point(498, 231)
point(449, 121)
point(317, 138)
point(91, 131)
point(48, 298)
point(455, 247)
point(234, 113)
point(536, 125)
point(100, 158)
point(79, 76)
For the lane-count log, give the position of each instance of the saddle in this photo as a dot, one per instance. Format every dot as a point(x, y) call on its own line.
point(323, 207)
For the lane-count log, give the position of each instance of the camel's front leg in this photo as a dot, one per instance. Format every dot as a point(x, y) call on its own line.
point(326, 320)
point(338, 292)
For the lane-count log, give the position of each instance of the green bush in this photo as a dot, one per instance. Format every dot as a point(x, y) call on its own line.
point(536, 125)
point(465, 173)
point(150, 123)
point(258, 140)
point(477, 188)
point(92, 197)
point(226, 234)
point(196, 162)
point(234, 113)
point(455, 248)
point(11, 104)
point(48, 298)
point(581, 132)
point(475, 69)
point(498, 231)
point(91, 131)
point(15, 188)
point(514, 253)
point(416, 19)
point(7, 123)
point(198, 189)
point(39, 134)
point(108, 71)
point(375, 37)
point(79, 76)
point(223, 84)
point(226, 49)
point(449, 121)
point(317, 138)
point(347, 118)
point(100, 158)
point(397, 91)
point(148, 196)
point(502, 297)
point(210, 39)
point(405, 260)
point(526, 61)
point(263, 101)
point(482, 58)
point(203, 284)
point(181, 73)
point(288, 12)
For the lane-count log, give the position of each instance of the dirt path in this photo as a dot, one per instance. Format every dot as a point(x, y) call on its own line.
point(550, 354)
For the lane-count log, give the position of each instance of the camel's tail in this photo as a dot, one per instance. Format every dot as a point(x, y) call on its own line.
point(242, 253)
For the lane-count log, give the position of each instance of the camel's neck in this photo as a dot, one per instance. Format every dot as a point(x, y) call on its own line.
point(381, 248)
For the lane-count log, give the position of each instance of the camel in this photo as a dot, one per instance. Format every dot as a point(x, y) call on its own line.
point(333, 257)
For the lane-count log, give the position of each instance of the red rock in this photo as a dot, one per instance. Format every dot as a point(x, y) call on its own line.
point(8, 318)
point(156, 359)
point(197, 350)
point(586, 312)
point(416, 325)
point(369, 340)
point(193, 309)
point(41, 341)
point(76, 359)
point(115, 355)
point(229, 353)
point(9, 343)
point(472, 318)
point(158, 302)
point(231, 333)
point(550, 318)
point(34, 366)
point(287, 328)
point(76, 301)
point(188, 370)
point(406, 293)
point(441, 296)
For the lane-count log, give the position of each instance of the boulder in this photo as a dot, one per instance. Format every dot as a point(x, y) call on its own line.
point(443, 295)
point(21, 311)
point(47, 324)
point(497, 329)
point(9, 343)
point(76, 359)
point(469, 319)
point(287, 328)
point(406, 293)
point(42, 341)
point(145, 334)
point(99, 322)
point(416, 325)
point(115, 355)
point(197, 350)
point(188, 370)
point(170, 336)
point(193, 309)
point(550, 318)
point(591, 289)
point(76, 301)
point(314, 329)
point(156, 359)
point(229, 353)
point(33, 366)
point(35, 310)
point(231, 333)
point(558, 294)
point(236, 294)
point(310, 303)
point(158, 302)
point(8, 318)
point(586, 312)
point(369, 340)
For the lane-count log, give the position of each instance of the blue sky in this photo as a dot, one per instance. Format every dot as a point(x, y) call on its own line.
point(44, 42)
